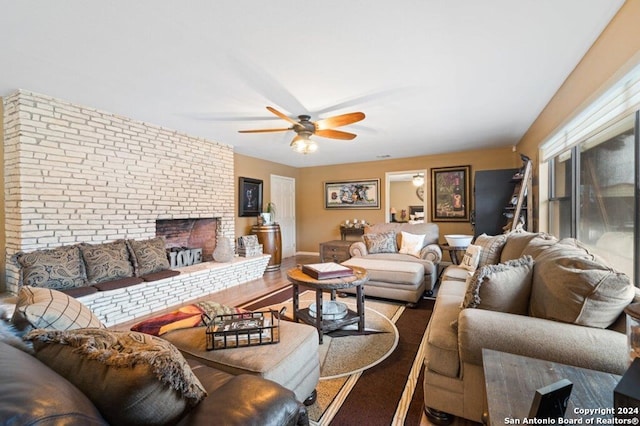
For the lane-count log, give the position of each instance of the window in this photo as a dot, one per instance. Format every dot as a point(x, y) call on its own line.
point(594, 176)
point(593, 194)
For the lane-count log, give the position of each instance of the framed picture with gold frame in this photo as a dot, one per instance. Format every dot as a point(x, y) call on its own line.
point(450, 194)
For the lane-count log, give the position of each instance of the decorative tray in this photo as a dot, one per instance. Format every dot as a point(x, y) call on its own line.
point(243, 329)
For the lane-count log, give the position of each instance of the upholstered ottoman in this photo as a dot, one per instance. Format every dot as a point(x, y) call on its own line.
point(293, 362)
point(391, 279)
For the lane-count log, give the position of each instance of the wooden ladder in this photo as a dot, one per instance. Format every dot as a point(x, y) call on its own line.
point(523, 192)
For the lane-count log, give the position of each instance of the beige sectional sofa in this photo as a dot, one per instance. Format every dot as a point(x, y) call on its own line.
point(531, 295)
point(399, 268)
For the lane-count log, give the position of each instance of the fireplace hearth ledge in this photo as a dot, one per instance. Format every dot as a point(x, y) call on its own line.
point(126, 304)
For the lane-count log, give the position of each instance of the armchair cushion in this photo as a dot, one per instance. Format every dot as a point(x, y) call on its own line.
point(383, 242)
point(411, 244)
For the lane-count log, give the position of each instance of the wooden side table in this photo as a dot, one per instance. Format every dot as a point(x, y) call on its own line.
point(454, 251)
point(519, 376)
point(297, 277)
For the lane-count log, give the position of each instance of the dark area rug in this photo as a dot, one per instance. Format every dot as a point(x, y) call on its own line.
point(391, 391)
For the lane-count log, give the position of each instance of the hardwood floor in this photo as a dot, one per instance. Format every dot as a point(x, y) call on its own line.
point(270, 281)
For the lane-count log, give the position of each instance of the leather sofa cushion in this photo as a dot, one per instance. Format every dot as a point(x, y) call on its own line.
point(106, 261)
point(119, 283)
point(79, 291)
point(231, 405)
point(572, 285)
point(132, 378)
point(31, 393)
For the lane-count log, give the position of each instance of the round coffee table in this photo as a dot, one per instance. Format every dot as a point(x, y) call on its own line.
point(315, 317)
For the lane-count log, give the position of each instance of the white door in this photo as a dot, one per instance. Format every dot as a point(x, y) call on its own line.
point(283, 195)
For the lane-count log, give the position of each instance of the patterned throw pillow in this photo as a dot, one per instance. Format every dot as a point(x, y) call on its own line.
point(51, 309)
point(505, 287)
point(132, 378)
point(411, 244)
point(471, 258)
point(383, 242)
point(149, 255)
point(491, 248)
point(59, 268)
point(107, 261)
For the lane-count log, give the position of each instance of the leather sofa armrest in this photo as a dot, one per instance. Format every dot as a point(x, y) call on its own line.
point(431, 252)
point(248, 399)
point(358, 249)
point(580, 346)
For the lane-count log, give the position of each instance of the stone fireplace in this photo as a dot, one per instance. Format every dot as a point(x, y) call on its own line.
point(76, 174)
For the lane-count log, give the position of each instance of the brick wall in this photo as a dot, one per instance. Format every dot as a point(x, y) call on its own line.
point(77, 174)
point(126, 304)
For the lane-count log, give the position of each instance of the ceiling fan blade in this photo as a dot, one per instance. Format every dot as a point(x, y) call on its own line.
point(264, 130)
point(335, 134)
point(339, 120)
point(281, 115)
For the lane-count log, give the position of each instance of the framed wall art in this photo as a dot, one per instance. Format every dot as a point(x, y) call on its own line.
point(450, 194)
point(352, 194)
point(249, 197)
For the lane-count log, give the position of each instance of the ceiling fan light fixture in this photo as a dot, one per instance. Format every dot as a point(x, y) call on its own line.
point(418, 179)
point(303, 145)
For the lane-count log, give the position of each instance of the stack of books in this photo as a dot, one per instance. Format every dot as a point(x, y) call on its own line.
point(248, 246)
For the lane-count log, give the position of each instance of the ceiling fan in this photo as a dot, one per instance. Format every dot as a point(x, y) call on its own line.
point(304, 128)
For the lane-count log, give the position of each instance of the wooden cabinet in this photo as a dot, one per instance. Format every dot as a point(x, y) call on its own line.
point(335, 251)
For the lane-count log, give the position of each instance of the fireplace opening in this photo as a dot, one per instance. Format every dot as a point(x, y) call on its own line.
point(190, 234)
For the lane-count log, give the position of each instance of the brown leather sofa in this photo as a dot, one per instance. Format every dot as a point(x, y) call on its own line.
point(32, 393)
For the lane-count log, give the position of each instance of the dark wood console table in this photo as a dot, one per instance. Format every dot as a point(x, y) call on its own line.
point(348, 230)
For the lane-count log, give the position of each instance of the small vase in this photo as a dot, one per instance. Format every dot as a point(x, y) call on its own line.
point(223, 251)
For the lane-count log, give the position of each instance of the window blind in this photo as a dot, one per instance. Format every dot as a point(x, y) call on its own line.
point(622, 99)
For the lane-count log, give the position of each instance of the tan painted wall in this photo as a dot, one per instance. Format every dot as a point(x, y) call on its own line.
point(403, 195)
point(615, 52)
point(315, 224)
point(257, 169)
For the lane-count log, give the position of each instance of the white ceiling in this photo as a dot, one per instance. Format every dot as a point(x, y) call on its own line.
point(432, 76)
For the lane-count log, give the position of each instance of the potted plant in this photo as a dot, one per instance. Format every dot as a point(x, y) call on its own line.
point(269, 216)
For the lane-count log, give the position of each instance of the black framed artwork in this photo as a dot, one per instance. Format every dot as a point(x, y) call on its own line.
point(450, 194)
point(249, 197)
